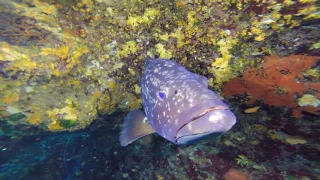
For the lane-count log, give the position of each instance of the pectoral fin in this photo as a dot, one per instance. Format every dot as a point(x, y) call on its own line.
point(134, 127)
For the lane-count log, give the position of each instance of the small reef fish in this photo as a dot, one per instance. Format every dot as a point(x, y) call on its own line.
point(177, 105)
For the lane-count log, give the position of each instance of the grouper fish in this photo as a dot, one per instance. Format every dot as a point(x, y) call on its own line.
point(177, 105)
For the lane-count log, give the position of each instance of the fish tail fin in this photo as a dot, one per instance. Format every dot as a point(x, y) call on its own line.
point(134, 127)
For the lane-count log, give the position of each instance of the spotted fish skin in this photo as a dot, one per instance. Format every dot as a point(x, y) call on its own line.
point(178, 105)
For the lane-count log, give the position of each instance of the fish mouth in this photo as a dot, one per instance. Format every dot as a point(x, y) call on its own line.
point(209, 115)
point(207, 111)
point(214, 120)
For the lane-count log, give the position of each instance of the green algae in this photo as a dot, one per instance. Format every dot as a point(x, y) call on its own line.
point(16, 117)
point(67, 123)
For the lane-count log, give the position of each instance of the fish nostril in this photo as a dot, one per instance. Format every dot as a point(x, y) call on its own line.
point(176, 92)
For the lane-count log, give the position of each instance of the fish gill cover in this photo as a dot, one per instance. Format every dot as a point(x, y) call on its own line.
point(65, 64)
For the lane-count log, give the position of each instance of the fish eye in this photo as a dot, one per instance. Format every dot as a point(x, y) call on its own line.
point(161, 95)
point(176, 91)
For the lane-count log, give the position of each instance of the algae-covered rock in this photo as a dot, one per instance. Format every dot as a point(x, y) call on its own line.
point(57, 58)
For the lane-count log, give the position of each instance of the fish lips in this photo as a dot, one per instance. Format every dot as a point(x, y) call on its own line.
point(215, 120)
